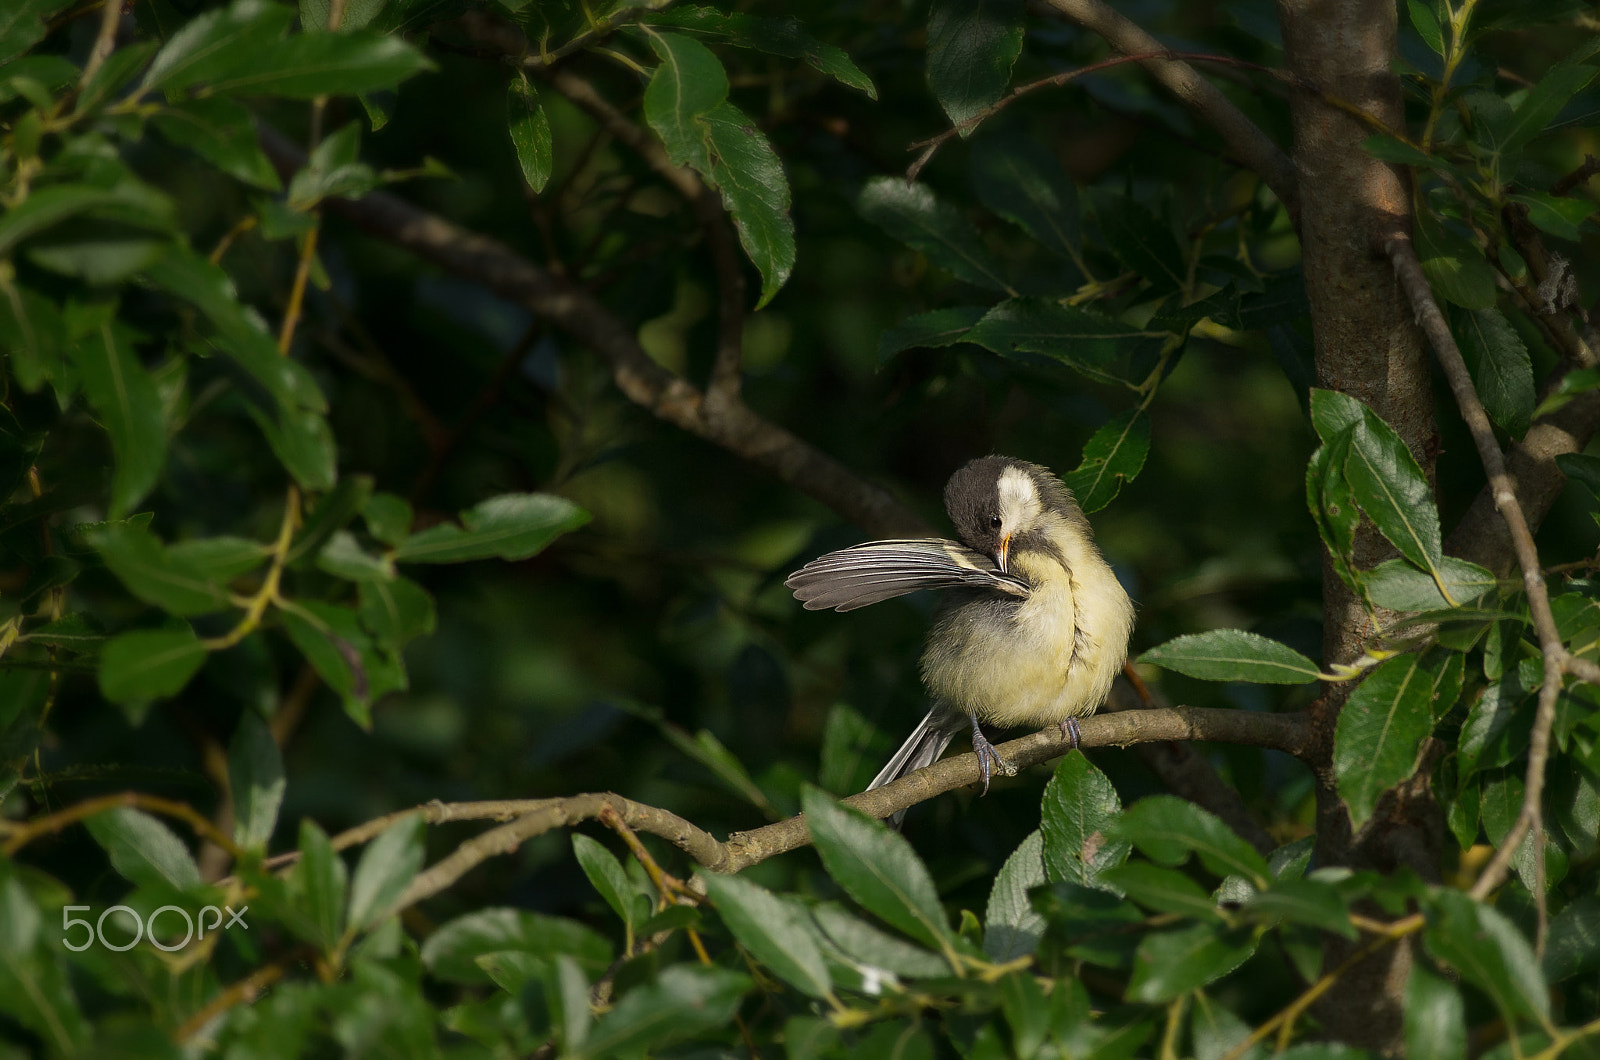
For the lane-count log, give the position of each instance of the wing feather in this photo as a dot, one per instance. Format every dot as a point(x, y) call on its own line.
point(881, 570)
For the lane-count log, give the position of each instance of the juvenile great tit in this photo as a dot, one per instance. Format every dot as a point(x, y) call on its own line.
point(1036, 627)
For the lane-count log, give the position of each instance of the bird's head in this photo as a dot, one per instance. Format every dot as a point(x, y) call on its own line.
point(1000, 505)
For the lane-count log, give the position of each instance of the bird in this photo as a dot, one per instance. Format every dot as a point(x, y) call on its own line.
point(1036, 625)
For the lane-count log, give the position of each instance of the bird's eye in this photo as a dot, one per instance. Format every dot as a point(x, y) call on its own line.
point(994, 522)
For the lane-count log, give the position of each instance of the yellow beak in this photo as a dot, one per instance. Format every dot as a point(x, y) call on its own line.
point(1004, 553)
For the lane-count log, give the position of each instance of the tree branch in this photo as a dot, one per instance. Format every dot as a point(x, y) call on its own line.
point(1252, 146)
point(706, 206)
point(731, 424)
point(1403, 255)
point(1283, 732)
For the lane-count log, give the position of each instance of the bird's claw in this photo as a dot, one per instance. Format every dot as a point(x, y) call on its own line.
point(1069, 729)
point(988, 757)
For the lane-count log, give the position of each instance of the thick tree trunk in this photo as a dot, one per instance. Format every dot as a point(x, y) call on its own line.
point(1368, 346)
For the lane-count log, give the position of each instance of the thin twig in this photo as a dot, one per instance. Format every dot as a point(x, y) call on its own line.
point(967, 125)
point(706, 206)
point(105, 41)
point(1403, 255)
point(1254, 147)
point(1578, 177)
point(734, 426)
point(27, 832)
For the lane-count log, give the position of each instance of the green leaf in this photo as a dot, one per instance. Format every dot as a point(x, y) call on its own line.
point(319, 880)
point(388, 517)
point(153, 574)
point(34, 335)
point(239, 331)
point(857, 944)
point(333, 642)
point(1233, 655)
point(314, 14)
point(876, 867)
point(1435, 1018)
point(1501, 370)
point(1141, 241)
point(386, 868)
point(1426, 23)
point(1574, 943)
point(755, 192)
point(1171, 963)
point(334, 170)
point(149, 664)
point(1555, 215)
point(1079, 808)
point(1023, 182)
point(1390, 487)
point(1573, 383)
point(1164, 890)
point(511, 526)
point(34, 987)
point(220, 131)
point(778, 933)
point(255, 780)
point(1399, 586)
point(1379, 732)
point(1011, 926)
point(1489, 952)
point(306, 65)
point(49, 206)
point(331, 512)
point(682, 1001)
point(302, 440)
point(21, 27)
point(209, 46)
point(343, 557)
point(114, 75)
point(1555, 87)
point(395, 611)
point(1303, 901)
point(1487, 719)
point(74, 632)
point(1167, 829)
point(530, 133)
point(971, 49)
point(607, 877)
point(688, 83)
point(786, 37)
point(124, 396)
point(1386, 148)
point(1454, 266)
point(941, 327)
point(568, 999)
point(911, 214)
point(1027, 1011)
point(1113, 456)
point(1331, 501)
point(451, 952)
point(217, 559)
point(144, 850)
point(1083, 340)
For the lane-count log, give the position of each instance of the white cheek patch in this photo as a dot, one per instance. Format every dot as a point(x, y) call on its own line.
point(1019, 501)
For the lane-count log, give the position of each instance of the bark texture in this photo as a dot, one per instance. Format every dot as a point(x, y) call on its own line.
point(1368, 346)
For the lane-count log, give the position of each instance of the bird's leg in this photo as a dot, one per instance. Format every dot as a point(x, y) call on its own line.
point(1069, 729)
point(988, 756)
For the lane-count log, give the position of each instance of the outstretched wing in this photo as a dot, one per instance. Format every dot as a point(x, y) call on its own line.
point(880, 570)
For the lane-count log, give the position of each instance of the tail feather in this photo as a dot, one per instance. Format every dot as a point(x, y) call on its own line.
point(922, 748)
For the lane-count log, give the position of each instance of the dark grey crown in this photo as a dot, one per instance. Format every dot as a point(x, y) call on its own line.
point(972, 499)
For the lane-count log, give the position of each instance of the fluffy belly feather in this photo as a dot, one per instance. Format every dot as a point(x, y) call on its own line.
point(1036, 661)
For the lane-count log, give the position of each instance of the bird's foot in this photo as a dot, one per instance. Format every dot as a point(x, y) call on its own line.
point(1069, 729)
point(988, 757)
